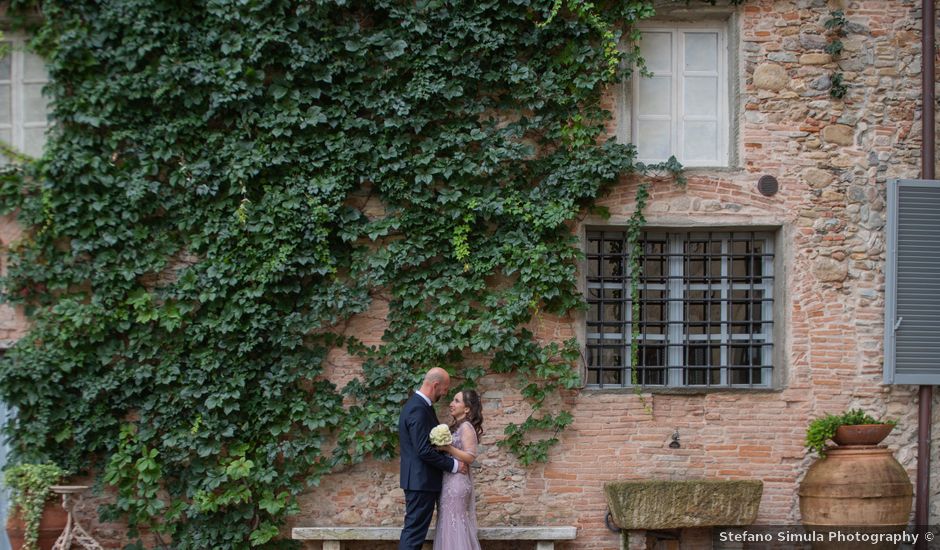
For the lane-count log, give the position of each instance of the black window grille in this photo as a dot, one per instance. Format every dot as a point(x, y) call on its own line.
point(706, 309)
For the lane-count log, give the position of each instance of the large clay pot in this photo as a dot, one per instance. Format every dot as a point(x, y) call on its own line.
point(859, 487)
point(53, 521)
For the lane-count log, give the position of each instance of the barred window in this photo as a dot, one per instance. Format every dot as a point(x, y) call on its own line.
point(706, 309)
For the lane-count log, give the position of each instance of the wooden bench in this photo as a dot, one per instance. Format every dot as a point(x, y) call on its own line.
point(332, 537)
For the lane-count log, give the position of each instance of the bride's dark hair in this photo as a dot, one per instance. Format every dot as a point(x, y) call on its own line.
point(471, 400)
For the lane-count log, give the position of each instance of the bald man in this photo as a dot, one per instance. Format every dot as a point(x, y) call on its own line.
point(422, 466)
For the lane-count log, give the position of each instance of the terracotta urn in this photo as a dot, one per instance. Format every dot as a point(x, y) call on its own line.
point(862, 434)
point(857, 486)
point(53, 521)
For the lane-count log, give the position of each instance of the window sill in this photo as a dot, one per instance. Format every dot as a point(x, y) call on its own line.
point(708, 170)
point(712, 169)
point(681, 391)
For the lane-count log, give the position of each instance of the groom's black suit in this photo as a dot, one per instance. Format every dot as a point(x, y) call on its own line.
point(421, 470)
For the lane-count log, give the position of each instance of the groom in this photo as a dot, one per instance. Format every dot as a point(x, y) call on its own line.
point(421, 464)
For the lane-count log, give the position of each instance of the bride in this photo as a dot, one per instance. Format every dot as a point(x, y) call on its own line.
point(456, 527)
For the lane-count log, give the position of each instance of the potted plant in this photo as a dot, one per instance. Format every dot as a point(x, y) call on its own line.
point(856, 483)
point(854, 427)
point(35, 520)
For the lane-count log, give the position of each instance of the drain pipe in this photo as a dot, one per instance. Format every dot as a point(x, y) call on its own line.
point(928, 161)
point(928, 81)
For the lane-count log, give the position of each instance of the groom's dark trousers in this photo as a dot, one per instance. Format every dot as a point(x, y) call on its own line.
point(422, 468)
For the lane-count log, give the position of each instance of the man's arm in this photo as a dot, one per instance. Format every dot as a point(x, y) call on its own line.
point(420, 432)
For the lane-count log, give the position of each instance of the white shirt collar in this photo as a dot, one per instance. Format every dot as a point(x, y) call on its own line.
point(426, 398)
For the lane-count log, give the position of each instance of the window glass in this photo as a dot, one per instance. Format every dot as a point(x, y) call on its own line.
point(35, 105)
point(34, 68)
point(657, 51)
point(34, 139)
point(654, 96)
point(701, 96)
point(701, 51)
point(5, 61)
point(701, 140)
point(656, 142)
point(5, 104)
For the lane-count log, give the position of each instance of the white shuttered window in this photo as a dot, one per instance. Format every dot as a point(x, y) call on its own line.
point(682, 108)
point(23, 108)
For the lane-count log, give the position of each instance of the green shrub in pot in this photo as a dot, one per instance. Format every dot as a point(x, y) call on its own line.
point(29, 489)
point(823, 429)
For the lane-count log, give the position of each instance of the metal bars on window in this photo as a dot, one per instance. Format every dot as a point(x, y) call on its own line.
point(706, 309)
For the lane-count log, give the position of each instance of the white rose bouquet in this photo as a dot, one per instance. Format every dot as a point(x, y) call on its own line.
point(440, 435)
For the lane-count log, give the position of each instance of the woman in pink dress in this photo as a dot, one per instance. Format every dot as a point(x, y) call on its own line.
point(456, 527)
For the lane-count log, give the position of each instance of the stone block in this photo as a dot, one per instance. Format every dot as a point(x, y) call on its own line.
point(782, 57)
point(813, 41)
point(770, 76)
point(816, 178)
point(660, 504)
point(829, 195)
point(839, 134)
point(822, 82)
point(815, 59)
point(830, 270)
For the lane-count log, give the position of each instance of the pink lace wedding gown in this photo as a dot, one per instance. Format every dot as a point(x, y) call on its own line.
point(456, 527)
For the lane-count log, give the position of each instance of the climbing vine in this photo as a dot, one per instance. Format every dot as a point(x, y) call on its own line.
point(635, 252)
point(230, 181)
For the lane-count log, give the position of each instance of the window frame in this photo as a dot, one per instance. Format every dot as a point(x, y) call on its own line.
point(18, 82)
point(675, 369)
point(677, 30)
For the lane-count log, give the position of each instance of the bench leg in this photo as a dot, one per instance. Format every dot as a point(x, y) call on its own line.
point(544, 545)
point(331, 545)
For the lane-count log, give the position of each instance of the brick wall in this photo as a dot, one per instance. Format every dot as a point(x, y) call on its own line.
point(832, 159)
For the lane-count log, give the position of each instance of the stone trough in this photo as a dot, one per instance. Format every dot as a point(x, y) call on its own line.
point(659, 505)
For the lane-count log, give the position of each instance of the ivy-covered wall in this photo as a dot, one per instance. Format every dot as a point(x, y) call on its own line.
point(194, 235)
point(258, 223)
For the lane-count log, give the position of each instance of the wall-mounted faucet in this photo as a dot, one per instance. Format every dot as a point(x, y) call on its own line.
point(675, 440)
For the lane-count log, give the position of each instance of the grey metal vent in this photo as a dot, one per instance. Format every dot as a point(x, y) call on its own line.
point(912, 293)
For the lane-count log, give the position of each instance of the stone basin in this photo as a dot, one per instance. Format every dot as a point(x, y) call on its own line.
point(662, 504)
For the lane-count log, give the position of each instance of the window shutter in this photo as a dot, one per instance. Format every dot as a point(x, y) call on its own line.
point(912, 292)
point(699, 128)
point(6, 97)
point(23, 108)
point(34, 104)
point(654, 97)
point(682, 108)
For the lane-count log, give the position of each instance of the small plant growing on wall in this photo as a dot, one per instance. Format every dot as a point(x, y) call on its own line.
point(835, 27)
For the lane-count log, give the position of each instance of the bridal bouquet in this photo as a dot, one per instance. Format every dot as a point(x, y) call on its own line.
point(440, 435)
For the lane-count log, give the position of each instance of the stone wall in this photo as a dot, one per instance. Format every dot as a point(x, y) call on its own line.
point(832, 159)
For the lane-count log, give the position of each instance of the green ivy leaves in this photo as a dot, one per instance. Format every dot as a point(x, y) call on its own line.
point(229, 182)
